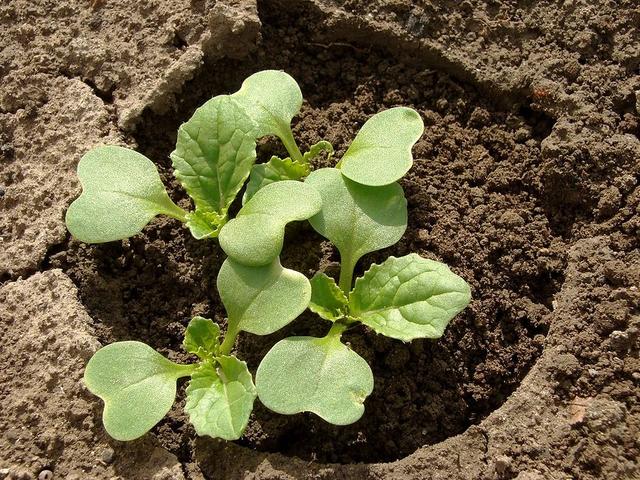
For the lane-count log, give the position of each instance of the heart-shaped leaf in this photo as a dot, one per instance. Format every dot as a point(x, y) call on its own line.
point(327, 300)
point(275, 170)
point(255, 237)
point(220, 401)
point(137, 385)
point(214, 154)
point(381, 152)
point(356, 218)
point(319, 375)
point(202, 338)
point(271, 98)
point(261, 300)
point(121, 193)
point(409, 297)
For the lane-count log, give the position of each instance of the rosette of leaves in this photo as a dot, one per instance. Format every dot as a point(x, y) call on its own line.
point(410, 297)
point(138, 384)
point(214, 156)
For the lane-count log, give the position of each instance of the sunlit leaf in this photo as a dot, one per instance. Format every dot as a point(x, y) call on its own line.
point(137, 385)
point(255, 237)
point(262, 300)
point(121, 193)
point(327, 300)
point(319, 375)
point(356, 218)
point(220, 401)
point(381, 152)
point(409, 297)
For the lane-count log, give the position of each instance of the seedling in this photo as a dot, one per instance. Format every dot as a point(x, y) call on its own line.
point(358, 206)
point(138, 385)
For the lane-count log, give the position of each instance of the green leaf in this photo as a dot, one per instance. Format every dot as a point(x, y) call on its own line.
point(202, 338)
point(356, 218)
point(275, 170)
point(409, 297)
point(137, 385)
point(121, 193)
point(381, 152)
point(271, 98)
point(255, 237)
point(219, 402)
point(327, 300)
point(319, 375)
point(316, 149)
point(261, 300)
point(204, 224)
point(214, 154)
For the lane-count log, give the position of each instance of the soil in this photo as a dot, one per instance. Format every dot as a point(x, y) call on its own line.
point(526, 182)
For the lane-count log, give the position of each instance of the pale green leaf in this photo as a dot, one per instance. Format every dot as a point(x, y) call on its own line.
point(137, 385)
point(275, 170)
point(214, 154)
point(202, 338)
point(220, 401)
point(121, 193)
point(316, 149)
point(203, 224)
point(271, 98)
point(327, 300)
point(409, 297)
point(255, 237)
point(356, 218)
point(262, 300)
point(381, 152)
point(319, 375)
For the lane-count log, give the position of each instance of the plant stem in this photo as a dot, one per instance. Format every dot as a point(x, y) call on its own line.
point(186, 370)
point(346, 275)
point(177, 212)
point(229, 341)
point(291, 145)
point(336, 330)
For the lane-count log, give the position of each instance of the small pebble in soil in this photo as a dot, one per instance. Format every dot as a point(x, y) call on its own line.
point(45, 475)
point(107, 455)
point(502, 464)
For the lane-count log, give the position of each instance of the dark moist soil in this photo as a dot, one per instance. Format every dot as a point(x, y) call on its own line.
point(475, 202)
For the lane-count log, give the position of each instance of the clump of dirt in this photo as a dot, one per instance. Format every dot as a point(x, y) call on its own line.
point(474, 202)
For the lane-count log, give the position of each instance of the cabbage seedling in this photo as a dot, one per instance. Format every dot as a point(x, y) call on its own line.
point(138, 384)
point(363, 210)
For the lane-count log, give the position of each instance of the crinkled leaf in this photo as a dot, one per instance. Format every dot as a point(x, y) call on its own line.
point(316, 149)
point(261, 300)
point(356, 218)
point(319, 375)
point(204, 224)
point(220, 401)
point(327, 300)
point(275, 170)
point(137, 385)
point(214, 154)
point(409, 297)
point(202, 338)
point(121, 193)
point(381, 152)
point(255, 237)
point(271, 98)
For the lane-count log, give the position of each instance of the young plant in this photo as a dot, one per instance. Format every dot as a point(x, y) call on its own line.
point(363, 210)
point(215, 154)
point(138, 385)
